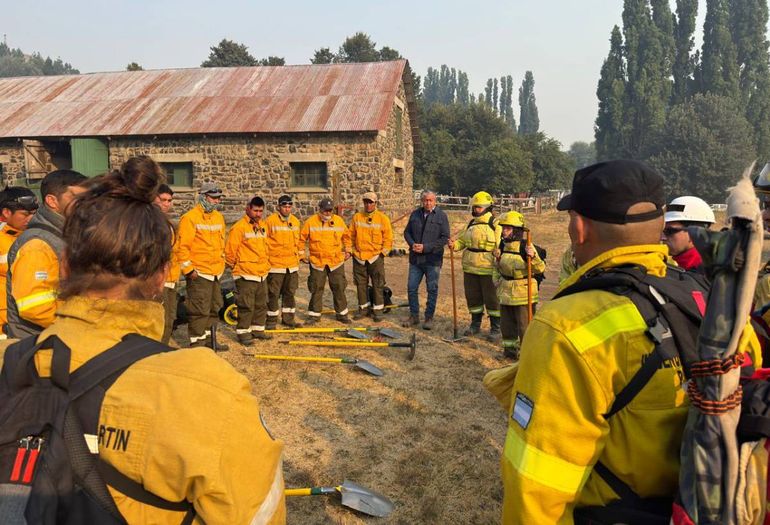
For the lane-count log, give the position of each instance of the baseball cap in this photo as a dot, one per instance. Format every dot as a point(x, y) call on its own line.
point(369, 196)
point(211, 189)
point(325, 204)
point(605, 191)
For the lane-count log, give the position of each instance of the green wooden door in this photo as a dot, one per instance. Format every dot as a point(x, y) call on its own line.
point(90, 156)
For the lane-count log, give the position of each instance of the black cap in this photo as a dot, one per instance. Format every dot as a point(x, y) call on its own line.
point(284, 199)
point(605, 191)
point(325, 204)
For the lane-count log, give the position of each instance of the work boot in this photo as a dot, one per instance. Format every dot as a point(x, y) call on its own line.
point(291, 322)
point(475, 326)
point(511, 353)
point(427, 324)
point(410, 321)
point(271, 324)
point(344, 319)
point(376, 316)
point(361, 313)
point(260, 335)
point(494, 329)
point(311, 320)
point(245, 339)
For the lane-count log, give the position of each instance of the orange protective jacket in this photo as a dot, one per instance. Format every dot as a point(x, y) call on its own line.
point(246, 249)
point(35, 282)
point(7, 236)
point(329, 241)
point(282, 239)
point(371, 235)
point(202, 242)
point(174, 270)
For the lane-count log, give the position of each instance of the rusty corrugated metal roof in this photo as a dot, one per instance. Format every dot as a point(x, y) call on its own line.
point(283, 99)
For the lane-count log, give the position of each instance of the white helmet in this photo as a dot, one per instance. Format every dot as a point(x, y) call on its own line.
point(689, 209)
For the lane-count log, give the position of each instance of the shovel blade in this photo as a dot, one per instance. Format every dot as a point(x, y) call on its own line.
point(355, 334)
point(387, 332)
point(364, 500)
point(368, 367)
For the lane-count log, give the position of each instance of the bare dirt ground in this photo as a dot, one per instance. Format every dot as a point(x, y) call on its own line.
point(426, 434)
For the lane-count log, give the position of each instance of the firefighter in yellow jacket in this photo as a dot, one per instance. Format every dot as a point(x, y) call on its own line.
point(182, 424)
point(510, 277)
point(165, 201)
point(17, 206)
point(329, 246)
point(33, 260)
point(246, 254)
point(283, 279)
point(371, 236)
point(202, 261)
point(580, 351)
point(480, 240)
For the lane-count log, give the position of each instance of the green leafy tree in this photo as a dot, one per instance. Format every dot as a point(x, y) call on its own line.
point(272, 61)
point(664, 21)
point(488, 92)
point(229, 54)
point(684, 40)
point(323, 55)
point(388, 53)
point(495, 96)
point(552, 167)
point(501, 166)
point(582, 154)
point(529, 121)
point(718, 71)
point(133, 66)
point(358, 48)
point(706, 144)
point(462, 88)
point(610, 123)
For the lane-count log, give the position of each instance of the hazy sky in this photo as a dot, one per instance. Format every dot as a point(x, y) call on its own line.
point(563, 42)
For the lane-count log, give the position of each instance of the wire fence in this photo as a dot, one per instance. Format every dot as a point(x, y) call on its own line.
point(523, 203)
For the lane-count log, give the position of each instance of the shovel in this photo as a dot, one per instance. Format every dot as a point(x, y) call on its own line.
point(455, 337)
point(386, 307)
point(411, 345)
point(366, 366)
point(352, 332)
point(354, 496)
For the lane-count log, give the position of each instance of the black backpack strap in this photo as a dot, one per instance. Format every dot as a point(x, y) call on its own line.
point(89, 384)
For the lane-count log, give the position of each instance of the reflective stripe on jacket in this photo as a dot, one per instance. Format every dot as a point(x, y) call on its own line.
point(246, 249)
point(174, 268)
point(34, 284)
point(202, 242)
point(479, 240)
point(371, 235)
point(577, 354)
point(328, 241)
point(183, 423)
point(511, 271)
point(7, 237)
point(282, 239)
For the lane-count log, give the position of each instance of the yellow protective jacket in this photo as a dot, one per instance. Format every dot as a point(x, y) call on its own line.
point(577, 354)
point(510, 274)
point(246, 249)
point(174, 268)
point(184, 423)
point(35, 282)
point(202, 242)
point(7, 236)
point(479, 239)
point(371, 235)
point(762, 291)
point(329, 241)
point(282, 240)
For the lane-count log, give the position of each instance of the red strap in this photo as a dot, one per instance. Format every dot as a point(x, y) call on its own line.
point(29, 470)
point(21, 452)
point(699, 301)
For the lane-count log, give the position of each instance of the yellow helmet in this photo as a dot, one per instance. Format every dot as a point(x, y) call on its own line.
point(512, 218)
point(482, 198)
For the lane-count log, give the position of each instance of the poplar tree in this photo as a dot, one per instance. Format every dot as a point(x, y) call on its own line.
point(529, 121)
point(488, 92)
point(494, 95)
point(684, 63)
point(610, 91)
point(462, 88)
point(663, 20)
point(719, 61)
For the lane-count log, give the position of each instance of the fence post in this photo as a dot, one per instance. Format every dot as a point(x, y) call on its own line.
point(538, 206)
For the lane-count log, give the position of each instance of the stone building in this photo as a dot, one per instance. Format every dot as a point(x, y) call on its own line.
point(311, 131)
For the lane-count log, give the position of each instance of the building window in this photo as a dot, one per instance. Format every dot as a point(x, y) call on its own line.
point(308, 175)
point(399, 133)
point(178, 174)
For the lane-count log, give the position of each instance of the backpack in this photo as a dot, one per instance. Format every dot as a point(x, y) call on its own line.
point(673, 308)
point(48, 473)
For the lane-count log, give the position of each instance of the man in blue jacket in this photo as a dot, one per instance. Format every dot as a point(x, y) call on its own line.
point(427, 232)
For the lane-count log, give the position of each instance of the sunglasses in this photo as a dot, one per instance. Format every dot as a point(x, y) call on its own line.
point(670, 230)
point(367, 201)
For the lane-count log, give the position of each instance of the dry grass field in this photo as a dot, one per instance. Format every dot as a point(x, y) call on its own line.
point(426, 434)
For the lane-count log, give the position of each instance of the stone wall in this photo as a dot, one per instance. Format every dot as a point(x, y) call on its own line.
point(12, 160)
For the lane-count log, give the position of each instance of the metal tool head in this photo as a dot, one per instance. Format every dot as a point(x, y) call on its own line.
point(364, 500)
point(413, 347)
point(368, 367)
point(355, 334)
point(454, 339)
point(388, 332)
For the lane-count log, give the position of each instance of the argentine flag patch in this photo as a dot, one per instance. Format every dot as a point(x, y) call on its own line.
point(522, 410)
